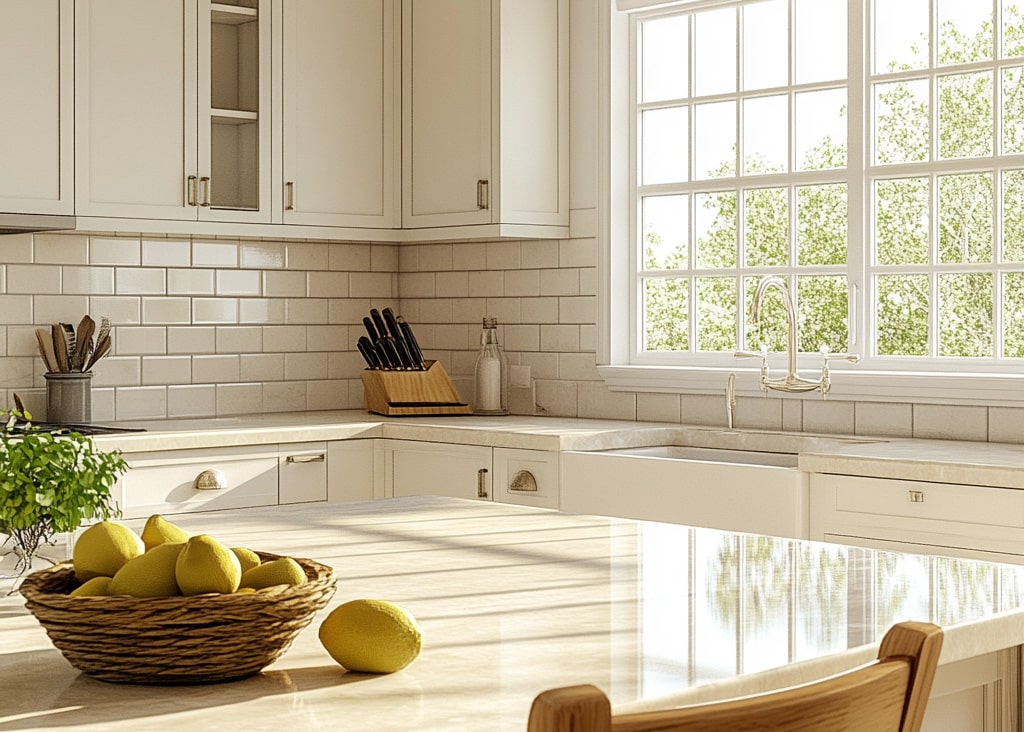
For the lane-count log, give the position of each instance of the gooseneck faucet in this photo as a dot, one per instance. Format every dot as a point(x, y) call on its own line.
point(791, 382)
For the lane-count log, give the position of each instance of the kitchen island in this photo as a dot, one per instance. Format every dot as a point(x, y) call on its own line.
point(513, 600)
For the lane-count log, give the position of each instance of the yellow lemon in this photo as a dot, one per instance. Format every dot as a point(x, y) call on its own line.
point(95, 587)
point(151, 574)
point(371, 636)
point(206, 565)
point(158, 530)
point(280, 571)
point(246, 557)
point(103, 548)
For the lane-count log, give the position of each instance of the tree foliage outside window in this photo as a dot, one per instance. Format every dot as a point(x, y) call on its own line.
point(942, 264)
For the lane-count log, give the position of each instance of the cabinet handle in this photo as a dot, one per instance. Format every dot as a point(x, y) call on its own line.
point(205, 185)
point(306, 458)
point(523, 482)
point(289, 196)
point(211, 480)
point(481, 483)
point(483, 189)
point(192, 190)
point(915, 496)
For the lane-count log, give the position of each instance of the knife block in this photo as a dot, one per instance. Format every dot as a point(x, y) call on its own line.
point(412, 393)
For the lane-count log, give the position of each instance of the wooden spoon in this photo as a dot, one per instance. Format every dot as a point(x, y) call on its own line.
point(83, 343)
point(46, 350)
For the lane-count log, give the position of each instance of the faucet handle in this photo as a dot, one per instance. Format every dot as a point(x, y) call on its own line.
point(827, 356)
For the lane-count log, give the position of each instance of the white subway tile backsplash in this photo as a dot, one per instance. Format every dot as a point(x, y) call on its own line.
point(581, 309)
point(657, 408)
point(15, 309)
point(238, 282)
point(327, 284)
point(190, 282)
point(47, 309)
point(166, 252)
point(1006, 424)
point(140, 340)
point(139, 281)
point(18, 248)
point(215, 369)
point(260, 310)
point(828, 417)
point(436, 257)
point(120, 310)
point(557, 398)
point(214, 310)
point(330, 337)
point(261, 366)
point(577, 367)
point(16, 373)
point(284, 284)
point(166, 310)
point(193, 340)
point(504, 255)
point(214, 254)
point(505, 309)
point(306, 311)
point(50, 249)
point(949, 422)
point(146, 402)
point(115, 251)
point(191, 400)
point(416, 284)
point(239, 339)
point(450, 284)
point(887, 420)
point(310, 256)
point(117, 371)
point(284, 396)
point(344, 364)
point(468, 256)
point(334, 394)
point(347, 310)
point(349, 257)
point(522, 283)
point(261, 254)
point(486, 284)
point(87, 280)
point(284, 338)
point(558, 338)
point(560, 282)
point(542, 310)
point(521, 337)
point(239, 398)
point(305, 366)
point(33, 279)
point(539, 253)
point(577, 253)
point(166, 370)
point(370, 284)
point(384, 258)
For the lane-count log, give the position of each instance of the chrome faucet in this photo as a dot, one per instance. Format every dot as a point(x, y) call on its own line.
point(791, 382)
point(730, 399)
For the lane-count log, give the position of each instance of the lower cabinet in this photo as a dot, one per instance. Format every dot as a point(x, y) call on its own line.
point(952, 519)
point(302, 472)
point(506, 475)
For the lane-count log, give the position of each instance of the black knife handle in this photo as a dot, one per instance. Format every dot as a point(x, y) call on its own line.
point(388, 344)
point(403, 353)
point(389, 319)
point(371, 330)
point(378, 321)
point(382, 356)
point(369, 355)
point(413, 345)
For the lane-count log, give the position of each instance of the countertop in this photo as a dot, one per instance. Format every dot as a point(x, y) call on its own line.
point(514, 600)
point(974, 463)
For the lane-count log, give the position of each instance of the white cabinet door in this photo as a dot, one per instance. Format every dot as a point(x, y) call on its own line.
point(485, 115)
point(135, 108)
point(428, 468)
point(172, 109)
point(302, 472)
point(350, 465)
point(36, 86)
point(339, 118)
point(447, 84)
point(526, 477)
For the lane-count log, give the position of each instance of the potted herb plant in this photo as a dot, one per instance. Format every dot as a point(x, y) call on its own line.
point(50, 483)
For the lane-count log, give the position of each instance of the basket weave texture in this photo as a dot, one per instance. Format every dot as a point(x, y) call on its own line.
point(174, 640)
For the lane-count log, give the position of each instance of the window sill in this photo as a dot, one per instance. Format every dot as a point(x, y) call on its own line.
point(850, 384)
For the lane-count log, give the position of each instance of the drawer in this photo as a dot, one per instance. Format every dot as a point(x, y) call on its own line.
point(525, 477)
point(302, 472)
point(165, 482)
point(970, 504)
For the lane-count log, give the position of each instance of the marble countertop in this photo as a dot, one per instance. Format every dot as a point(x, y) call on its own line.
point(975, 463)
point(514, 600)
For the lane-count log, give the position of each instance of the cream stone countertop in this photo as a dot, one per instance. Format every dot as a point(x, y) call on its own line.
point(513, 600)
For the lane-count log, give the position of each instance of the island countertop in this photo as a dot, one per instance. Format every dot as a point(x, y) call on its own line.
point(514, 600)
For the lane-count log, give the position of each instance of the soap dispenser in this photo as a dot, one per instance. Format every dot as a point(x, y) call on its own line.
point(491, 373)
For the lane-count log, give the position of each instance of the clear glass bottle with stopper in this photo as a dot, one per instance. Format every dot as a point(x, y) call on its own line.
point(491, 372)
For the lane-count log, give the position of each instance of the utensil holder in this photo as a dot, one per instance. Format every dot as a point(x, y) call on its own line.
point(412, 393)
point(69, 397)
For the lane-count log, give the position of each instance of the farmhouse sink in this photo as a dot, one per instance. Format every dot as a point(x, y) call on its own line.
point(712, 454)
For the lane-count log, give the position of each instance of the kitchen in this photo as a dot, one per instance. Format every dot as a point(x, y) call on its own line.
point(216, 318)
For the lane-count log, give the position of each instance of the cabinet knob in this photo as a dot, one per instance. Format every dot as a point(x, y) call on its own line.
point(482, 194)
point(523, 482)
point(193, 198)
point(204, 187)
point(211, 480)
point(289, 196)
point(915, 496)
point(481, 483)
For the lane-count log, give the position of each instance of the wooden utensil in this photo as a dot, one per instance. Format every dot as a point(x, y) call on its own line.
point(60, 347)
point(102, 346)
point(83, 344)
point(46, 350)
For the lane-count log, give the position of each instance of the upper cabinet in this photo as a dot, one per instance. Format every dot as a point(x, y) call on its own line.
point(173, 110)
point(485, 116)
point(339, 131)
point(36, 43)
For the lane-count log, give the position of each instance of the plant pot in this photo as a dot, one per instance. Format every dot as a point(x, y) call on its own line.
point(69, 398)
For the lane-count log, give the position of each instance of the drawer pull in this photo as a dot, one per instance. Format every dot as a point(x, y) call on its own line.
point(481, 483)
point(523, 482)
point(306, 458)
point(915, 496)
point(211, 480)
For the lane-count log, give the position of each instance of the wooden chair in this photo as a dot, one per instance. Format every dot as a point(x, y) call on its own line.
point(887, 695)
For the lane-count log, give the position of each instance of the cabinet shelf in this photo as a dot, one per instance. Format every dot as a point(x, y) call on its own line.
point(232, 14)
point(233, 116)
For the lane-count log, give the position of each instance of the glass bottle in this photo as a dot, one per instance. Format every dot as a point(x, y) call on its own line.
point(491, 373)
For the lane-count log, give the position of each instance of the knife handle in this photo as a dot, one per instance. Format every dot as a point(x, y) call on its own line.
point(382, 356)
point(388, 344)
point(410, 341)
point(378, 321)
point(369, 355)
point(403, 353)
point(389, 319)
point(371, 330)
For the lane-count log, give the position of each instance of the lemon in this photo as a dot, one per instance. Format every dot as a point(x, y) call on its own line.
point(206, 565)
point(158, 530)
point(97, 586)
point(371, 636)
point(280, 571)
point(103, 548)
point(246, 557)
point(149, 575)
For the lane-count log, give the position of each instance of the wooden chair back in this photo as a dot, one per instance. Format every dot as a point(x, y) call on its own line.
point(886, 695)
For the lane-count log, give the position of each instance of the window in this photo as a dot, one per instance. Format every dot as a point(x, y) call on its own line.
point(884, 181)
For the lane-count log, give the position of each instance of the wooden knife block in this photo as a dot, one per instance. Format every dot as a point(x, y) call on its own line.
point(411, 393)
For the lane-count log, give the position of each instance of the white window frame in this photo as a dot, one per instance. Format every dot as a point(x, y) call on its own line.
point(934, 381)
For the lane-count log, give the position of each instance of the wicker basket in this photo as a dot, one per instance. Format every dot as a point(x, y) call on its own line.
point(174, 640)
